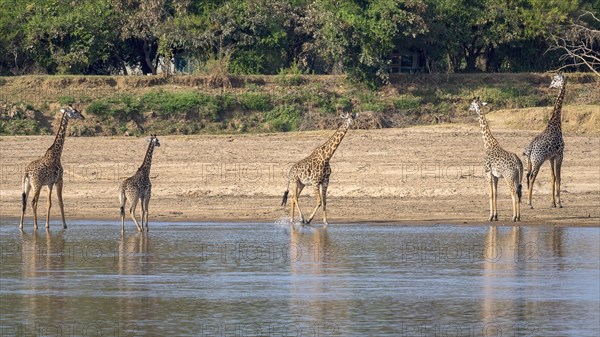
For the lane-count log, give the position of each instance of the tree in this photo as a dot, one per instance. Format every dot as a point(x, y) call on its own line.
point(11, 35)
point(580, 43)
point(63, 37)
point(140, 24)
point(357, 37)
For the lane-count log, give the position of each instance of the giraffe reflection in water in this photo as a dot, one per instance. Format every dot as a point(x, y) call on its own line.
point(312, 255)
point(510, 255)
point(134, 262)
point(44, 261)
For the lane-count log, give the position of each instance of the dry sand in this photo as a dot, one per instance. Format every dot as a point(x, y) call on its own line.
point(405, 176)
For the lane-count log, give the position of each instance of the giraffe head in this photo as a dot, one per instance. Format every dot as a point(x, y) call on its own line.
point(154, 140)
point(557, 81)
point(476, 106)
point(72, 113)
point(348, 118)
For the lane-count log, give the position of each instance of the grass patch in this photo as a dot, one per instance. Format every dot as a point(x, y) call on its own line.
point(21, 127)
point(100, 108)
point(186, 104)
point(407, 102)
point(511, 97)
point(66, 100)
point(283, 118)
point(255, 101)
point(127, 107)
point(292, 76)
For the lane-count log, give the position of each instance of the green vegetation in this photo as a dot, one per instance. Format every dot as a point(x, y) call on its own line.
point(292, 38)
point(407, 102)
point(283, 118)
point(65, 100)
point(291, 76)
point(176, 106)
point(255, 101)
point(22, 127)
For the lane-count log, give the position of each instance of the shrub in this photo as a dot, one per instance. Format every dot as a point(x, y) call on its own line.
point(508, 97)
point(255, 101)
point(127, 107)
point(21, 127)
point(66, 100)
point(172, 104)
point(100, 108)
point(407, 102)
point(373, 106)
point(291, 76)
point(321, 99)
point(226, 102)
point(283, 118)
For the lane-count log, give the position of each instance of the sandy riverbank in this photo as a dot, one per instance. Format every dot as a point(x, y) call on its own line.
point(421, 174)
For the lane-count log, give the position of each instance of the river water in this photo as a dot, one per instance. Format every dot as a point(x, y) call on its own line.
point(219, 279)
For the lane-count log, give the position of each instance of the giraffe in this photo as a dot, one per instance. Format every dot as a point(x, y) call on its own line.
point(48, 171)
point(499, 163)
point(548, 145)
point(138, 188)
point(315, 170)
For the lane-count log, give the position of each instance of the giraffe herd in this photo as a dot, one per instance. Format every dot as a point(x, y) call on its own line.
point(315, 169)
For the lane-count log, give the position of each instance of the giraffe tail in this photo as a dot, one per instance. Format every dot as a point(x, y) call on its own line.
point(285, 195)
point(527, 154)
point(122, 199)
point(519, 185)
point(528, 165)
point(285, 198)
point(25, 189)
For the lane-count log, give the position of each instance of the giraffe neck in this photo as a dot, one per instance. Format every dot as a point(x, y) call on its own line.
point(145, 168)
point(488, 139)
point(328, 149)
point(556, 113)
point(55, 150)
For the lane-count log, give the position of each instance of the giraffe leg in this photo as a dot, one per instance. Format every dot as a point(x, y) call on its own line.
point(495, 180)
point(147, 200)
point(26, 189)
point(318, 195)
point(530, 182)
point(132, 212)
point(552, 181)
point(516, 184)
point(49, 187)
point(510, 181)
point(514, 205)
point(324, 200)
point(34, 203)
point(557, 167)
point(491, 195)
point(143, 211)
point(296, 196)
point(293, 203)
point(59, 195)
point(292, 209)
point(122, 200)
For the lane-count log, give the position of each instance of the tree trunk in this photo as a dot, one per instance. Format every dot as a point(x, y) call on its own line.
point(148, 57)
point(471, 59)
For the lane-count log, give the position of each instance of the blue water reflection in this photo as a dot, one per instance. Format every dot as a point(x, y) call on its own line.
point(210, 279)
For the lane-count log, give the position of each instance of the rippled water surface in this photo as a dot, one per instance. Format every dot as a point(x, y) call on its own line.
point(204, 279)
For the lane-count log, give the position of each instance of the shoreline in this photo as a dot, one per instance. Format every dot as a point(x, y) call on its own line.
point(402, 223)
point(427, 175)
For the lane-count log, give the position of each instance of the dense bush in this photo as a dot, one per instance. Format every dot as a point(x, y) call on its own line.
point(283, 118)
point(255, 101)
